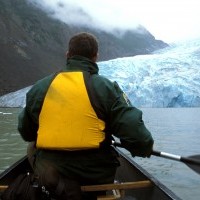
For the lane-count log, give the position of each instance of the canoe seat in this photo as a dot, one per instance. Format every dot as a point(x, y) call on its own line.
point(118, 189)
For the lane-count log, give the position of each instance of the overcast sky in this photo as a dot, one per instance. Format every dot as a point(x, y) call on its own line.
point(168, 20)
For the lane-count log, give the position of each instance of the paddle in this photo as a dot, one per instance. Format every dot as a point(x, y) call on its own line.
point(192, 162)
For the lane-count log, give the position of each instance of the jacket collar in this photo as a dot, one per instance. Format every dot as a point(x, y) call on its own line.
point(80, 63)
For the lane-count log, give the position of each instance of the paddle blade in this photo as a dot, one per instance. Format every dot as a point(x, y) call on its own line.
point(196, 165)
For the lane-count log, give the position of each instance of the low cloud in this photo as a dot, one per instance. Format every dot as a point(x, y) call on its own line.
point(98, 14)
point(168, 20)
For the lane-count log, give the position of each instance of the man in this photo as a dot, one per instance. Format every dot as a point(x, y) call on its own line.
point(72, 115)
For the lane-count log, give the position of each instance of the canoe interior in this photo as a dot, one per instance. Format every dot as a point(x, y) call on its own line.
point(129, 171)
point(12, 172)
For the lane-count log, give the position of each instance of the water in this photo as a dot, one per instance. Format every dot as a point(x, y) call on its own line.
point(12, 147)
point(175, 130)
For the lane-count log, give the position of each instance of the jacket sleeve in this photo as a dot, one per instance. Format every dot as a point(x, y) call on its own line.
point(28, 119)
point(26, 126)
point(127, 124)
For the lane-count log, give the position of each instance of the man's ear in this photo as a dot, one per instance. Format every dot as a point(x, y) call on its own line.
point(94, 59)
point(67, 54)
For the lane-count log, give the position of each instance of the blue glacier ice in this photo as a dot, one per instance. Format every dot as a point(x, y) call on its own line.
point(167, 78)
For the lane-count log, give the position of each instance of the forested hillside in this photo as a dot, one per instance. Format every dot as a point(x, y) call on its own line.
point(34, 44)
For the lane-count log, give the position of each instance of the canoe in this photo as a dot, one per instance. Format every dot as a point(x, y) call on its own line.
point(132, 181)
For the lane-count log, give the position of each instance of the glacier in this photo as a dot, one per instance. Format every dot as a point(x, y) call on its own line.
point(167, 78)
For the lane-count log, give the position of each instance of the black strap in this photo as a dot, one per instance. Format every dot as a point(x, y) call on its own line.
point(92, 95)
point(96, 104)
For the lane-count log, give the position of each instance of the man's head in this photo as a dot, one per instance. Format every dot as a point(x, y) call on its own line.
point(83, 44)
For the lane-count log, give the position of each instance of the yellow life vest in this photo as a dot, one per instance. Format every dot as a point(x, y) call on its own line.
point(67, 120)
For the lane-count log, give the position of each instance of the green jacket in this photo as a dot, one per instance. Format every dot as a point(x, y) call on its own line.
point(122, 119)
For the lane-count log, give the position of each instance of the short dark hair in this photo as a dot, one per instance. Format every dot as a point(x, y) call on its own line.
point(83, 44)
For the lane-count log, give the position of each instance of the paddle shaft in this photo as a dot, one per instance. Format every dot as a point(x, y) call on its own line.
point(186, 160)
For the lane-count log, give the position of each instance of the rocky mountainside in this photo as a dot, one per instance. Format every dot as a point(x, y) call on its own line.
point(34, 44)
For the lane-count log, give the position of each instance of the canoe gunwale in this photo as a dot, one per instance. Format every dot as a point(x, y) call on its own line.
point(150, 177)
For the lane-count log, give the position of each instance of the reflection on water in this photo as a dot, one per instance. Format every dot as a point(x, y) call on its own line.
point(175, 130)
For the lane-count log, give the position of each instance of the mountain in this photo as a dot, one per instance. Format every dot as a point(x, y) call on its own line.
point(33, 44)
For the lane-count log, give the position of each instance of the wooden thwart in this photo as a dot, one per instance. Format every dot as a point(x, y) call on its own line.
point(117, 186)
point(113, 186)
point(3, 187)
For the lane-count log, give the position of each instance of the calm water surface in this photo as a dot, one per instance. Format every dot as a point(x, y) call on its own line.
point(175, 130)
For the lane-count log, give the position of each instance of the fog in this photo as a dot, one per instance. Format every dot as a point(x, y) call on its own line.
point(168, 20)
